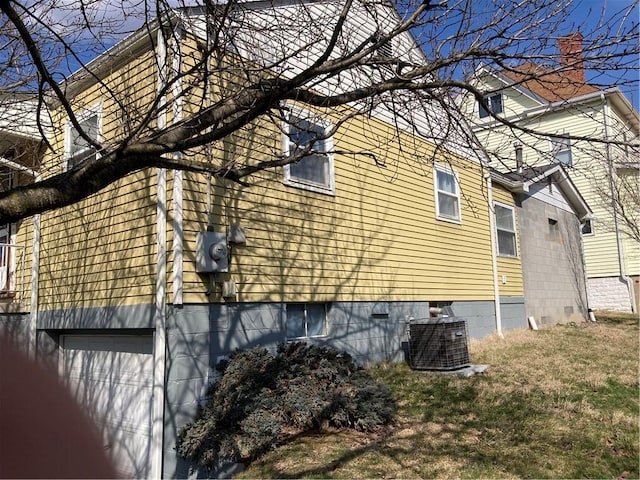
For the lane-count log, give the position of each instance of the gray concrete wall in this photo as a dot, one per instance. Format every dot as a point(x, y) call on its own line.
point(198, 336)
point(14, 328)
point(122, 316)
point(554, 280)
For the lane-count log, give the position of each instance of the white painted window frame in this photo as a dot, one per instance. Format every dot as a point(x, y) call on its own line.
point(592, 233)
point(9, 230)
point(556, 141)
point(325, 323)
point(514, 231)
point(81, 117)
point(488, 98)
point(290, 180)
point(450, 171)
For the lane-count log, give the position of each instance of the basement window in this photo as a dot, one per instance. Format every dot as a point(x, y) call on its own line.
point(306, 320)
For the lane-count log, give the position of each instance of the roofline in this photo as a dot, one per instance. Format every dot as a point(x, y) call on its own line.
point(132, 45)
point(619, 101)
point(509, 83)
point(564, 182)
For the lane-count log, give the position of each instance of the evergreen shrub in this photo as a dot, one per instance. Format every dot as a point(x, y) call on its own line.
point(262, 399)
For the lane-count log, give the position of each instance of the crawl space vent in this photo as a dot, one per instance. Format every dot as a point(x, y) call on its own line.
point(438, 344)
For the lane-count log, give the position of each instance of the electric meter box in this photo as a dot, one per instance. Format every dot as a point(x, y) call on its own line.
point(212, 252)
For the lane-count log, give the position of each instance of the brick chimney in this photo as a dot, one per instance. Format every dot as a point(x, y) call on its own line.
point(571, 56)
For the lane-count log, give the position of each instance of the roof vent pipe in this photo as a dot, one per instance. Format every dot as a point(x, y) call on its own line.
point(518, 147)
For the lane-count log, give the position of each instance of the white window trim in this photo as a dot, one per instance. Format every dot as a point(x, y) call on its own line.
point(10, 230)
point(553, 142)
point(490, 110)
point(592, 233)
point(325, 323)
point(328, 144)
point(81, 117)
point(515, 233)
point(436, 168)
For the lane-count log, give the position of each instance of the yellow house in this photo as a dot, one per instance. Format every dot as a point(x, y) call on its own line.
point(137, 292)
point(594, 133)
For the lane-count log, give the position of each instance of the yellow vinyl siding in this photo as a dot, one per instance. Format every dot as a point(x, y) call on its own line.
point(377, 238)
point(101, 251)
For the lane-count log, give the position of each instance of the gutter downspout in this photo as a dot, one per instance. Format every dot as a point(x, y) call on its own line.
point(160, 310)
point(178, 232)
point(494, 259)
point(614, 198)
point(35, 270)
point(590, 315)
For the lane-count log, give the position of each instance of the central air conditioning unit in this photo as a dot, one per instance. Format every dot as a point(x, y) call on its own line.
point(438, 344)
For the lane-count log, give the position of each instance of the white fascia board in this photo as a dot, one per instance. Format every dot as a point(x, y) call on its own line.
point(572, 194)
point(542, 176)
point(515, 186)
point(562, 180)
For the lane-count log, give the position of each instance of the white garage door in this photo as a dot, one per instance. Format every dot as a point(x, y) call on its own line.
point(112, 376)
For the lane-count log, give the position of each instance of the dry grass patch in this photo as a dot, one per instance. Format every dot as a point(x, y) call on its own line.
point(561, 402)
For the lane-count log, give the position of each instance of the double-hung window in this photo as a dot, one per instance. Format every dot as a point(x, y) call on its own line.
point(314, 171)
point(506, 231)
point(306, 320)
point(78, 148)
point(494, 104)
point(561, 150)
point(447, 193)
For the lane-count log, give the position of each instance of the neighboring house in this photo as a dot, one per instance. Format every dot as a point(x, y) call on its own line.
point(550, 211)
point(329, 250)
point(20, 155)
point(557, 104)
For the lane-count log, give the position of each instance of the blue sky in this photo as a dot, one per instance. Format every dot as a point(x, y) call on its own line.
point(586, 19)
point(585, 16)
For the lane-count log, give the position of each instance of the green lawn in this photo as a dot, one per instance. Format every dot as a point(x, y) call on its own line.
point(562, 402)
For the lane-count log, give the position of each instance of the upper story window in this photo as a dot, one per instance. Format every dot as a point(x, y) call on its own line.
point(315, 171)
point(561, 150)
point(506, 230)
point(78, 149)
point(306, 320)
point(587, 228)
point(447, 193)
point(494, 103)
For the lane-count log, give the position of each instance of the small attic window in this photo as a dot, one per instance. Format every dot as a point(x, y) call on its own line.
point(494, 103)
